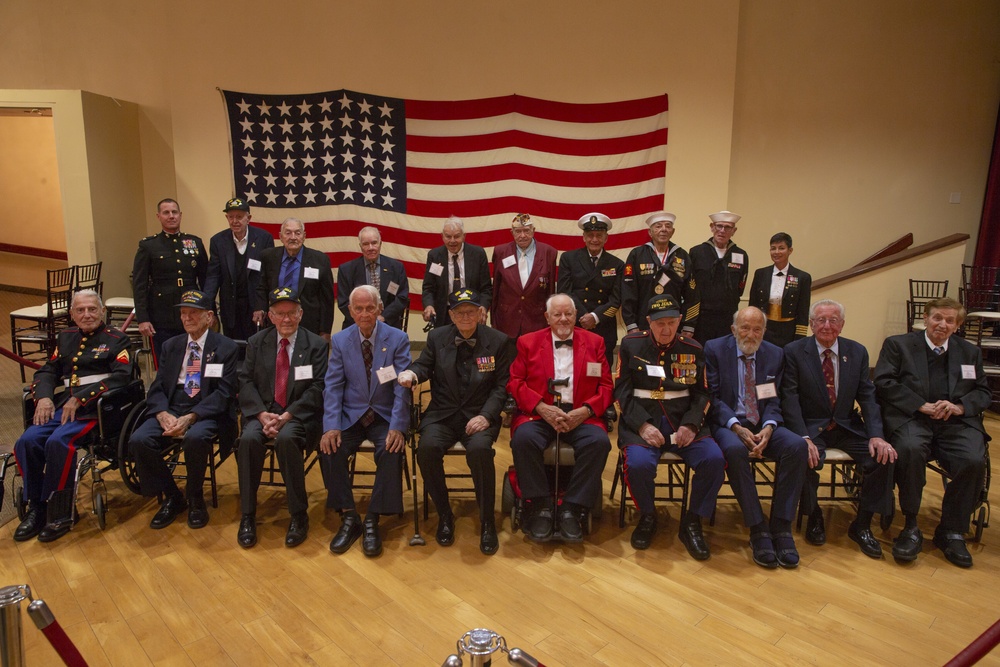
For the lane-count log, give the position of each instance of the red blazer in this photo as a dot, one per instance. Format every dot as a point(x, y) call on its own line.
point(519, 310)
point(534, 366)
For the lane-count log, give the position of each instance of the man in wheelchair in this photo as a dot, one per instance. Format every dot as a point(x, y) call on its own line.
point(933, 392)
point(89, 360)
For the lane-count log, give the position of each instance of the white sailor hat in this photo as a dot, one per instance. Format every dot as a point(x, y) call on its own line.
point(661, 216)
point(724, 216)
point(595, 222)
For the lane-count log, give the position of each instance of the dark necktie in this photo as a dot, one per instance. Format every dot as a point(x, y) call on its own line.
point(564, 343)
point(289, 273)
point(456, 282)
point(373, 276)
point(366, 353)
point(281, 374)
point(593, 260)
point(471, 342)
point(831, 382)
point(192, 374)
point(939, 350)
point(750, 390)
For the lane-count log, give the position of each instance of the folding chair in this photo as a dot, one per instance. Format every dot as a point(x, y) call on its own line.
point(33, 330)
point(673, 489)
point(88, 276)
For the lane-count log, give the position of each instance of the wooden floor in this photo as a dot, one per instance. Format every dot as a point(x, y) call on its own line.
point(134, 596)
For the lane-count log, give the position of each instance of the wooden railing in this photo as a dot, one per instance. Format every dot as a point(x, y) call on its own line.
point(34, 252)
point(868, 267)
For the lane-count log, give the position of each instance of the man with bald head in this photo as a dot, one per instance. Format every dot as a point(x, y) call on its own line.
point(560, 352)
point(385, 274)
point(303, 270)
point(453, 266)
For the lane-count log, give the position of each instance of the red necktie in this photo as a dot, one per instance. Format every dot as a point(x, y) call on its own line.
point(831, 382)
point(750, 391)
point(281, 374)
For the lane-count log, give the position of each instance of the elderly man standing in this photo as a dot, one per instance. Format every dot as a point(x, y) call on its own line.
point(720, 271)
point(592, 277)
point(385, 274)
point(89, 360)
point(560, 352)
point(453, 266)
point(234, 269)
point(364, 402)
point(825, 375)
point(933, 393)
point(524, 277)
point(659, 267)
point(193, 397)
point(306, 271)
point(166, 265)
point(468, 365)
point(744, 373)
point(662, 393)
point(281, 397)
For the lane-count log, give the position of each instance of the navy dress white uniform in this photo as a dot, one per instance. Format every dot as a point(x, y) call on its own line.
point(594, 285)
point(721, 279)
point(664, 386)
point(784, 295)
point(88, 365)
point(650, 272)
point(166, 266)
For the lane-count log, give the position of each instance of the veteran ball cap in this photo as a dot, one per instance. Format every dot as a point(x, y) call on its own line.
point(595, 222)
point(282, 294)
point(237, 204)
point(663, 305)
point(661, 216)
point(194, 299)
point(462, 296)
point(724, 216)
point(521, 220)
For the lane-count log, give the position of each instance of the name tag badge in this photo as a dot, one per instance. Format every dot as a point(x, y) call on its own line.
point(253, 264)
point(593, 369)
point(737, 258)
point(655, 371)
point(766, 390)
point(312, 272)
point(509, 261)
point(213, 370)
point(968, 372)
point(436, 269)
point(663, 279)
point(392, 289)
point(387, 374)
point(303, 372)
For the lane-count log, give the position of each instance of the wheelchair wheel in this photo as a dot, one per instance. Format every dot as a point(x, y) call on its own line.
point(980, 523)
point(126, 464)
point(19, 502)
point(508, 503)
point(101, 510)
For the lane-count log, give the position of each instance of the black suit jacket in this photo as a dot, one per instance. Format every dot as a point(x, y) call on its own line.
point(303, 398)
point(222, 269)
point(902, 380)
point(315, 294)
point(794, 300)
point(594, 289)
point(217, 397)
point(436, 288)
point(355, 272)
point(485, 396)
point(805, 403)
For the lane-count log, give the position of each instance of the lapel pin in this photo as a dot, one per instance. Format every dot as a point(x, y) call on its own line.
point(383, 349)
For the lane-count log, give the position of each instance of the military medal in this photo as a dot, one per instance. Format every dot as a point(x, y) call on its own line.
point(658, 289)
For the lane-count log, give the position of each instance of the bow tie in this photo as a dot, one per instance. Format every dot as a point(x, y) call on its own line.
point(471, 342)
point(563, 343)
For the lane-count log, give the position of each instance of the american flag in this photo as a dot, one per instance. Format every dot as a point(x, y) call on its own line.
point(342, 160)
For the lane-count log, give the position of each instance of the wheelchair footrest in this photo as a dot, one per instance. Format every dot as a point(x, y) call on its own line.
point(61, 507)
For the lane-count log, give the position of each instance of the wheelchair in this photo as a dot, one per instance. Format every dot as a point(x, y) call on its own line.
point(98, 452)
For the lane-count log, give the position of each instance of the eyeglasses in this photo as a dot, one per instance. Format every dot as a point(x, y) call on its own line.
point(724, 228)
point(820, 321)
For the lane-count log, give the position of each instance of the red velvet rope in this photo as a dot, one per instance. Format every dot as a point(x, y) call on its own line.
point(27, 363)
point(978, 649)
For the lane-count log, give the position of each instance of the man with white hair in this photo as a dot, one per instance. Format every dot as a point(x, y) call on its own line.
point(453, 266)
point(303, 270)
point(720, 271)
point(524, 277)
point(89, 360)
point(385, 274)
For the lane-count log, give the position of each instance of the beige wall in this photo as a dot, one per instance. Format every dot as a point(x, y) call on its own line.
point(30, 203)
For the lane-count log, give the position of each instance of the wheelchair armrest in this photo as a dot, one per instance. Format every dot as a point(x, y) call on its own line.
point(509, 405)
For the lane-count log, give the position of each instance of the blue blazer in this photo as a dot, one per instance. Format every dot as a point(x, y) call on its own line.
point(348, 394)
point(804, 401)
point(354, 273)
point(722, 371)
point(222, 268)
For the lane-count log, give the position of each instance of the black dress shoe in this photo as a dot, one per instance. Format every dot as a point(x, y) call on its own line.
point(908, 545)
point(642, 536)
point(169, 510)
point(539, 526)
point(954, 548)
point(247, 537)
point(198, 514)
point(692, 538)
point(372, 541)
point(815, 529)
point(865, 539)
point(762, 549)
point(32, 525)
point(488, 541)
point(785, 551)
point(570, 529)
point(53, 531)
point(298, 529)
point(350, 531)
point(446, 530)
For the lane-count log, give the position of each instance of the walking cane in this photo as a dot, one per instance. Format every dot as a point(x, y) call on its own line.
point(411, 434)
point(554, 385)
